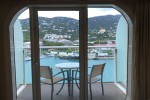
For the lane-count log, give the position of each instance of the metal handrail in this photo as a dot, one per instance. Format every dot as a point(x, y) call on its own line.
point(72, 47)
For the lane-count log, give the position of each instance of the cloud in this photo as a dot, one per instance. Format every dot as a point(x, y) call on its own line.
point(50, 14)
point(92, 12)
point(24, 15)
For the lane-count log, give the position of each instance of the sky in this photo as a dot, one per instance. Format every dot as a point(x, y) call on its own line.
point(92, 12)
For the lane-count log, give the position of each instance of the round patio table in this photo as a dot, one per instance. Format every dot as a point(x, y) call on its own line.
point(68, 66)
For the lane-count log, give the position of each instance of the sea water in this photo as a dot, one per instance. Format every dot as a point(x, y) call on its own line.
point(108, 75)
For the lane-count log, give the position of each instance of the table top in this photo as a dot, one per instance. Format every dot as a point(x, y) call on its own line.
point(67, 65)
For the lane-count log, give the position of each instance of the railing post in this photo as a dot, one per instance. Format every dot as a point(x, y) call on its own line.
point(24, 67)
point(115, 65)
point(41, 52)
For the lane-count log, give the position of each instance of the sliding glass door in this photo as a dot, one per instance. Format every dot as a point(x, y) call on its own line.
point(56, 48)
point(72, 41)
point(59, 50)
point(107, 33)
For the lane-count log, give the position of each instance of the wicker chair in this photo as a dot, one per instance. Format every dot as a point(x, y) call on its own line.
point(97, 70)
point(47, 77)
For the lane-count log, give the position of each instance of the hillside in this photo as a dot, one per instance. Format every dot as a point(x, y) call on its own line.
point(103, 27)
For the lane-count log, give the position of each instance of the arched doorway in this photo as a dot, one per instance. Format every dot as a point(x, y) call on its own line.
point(83, 14)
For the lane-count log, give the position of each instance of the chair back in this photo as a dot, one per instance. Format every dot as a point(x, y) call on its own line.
point(45, 72)
point(97, 70)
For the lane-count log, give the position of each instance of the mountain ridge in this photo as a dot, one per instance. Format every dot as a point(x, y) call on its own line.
point(70, 26)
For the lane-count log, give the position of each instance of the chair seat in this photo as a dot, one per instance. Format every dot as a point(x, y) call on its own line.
point(55, 80)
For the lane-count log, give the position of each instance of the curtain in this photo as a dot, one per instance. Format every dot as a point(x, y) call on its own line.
point(141, 52)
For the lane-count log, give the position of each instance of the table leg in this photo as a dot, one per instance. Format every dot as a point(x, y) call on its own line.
point(70, 83)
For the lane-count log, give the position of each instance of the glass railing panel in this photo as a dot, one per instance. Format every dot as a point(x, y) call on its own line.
point(95, 58)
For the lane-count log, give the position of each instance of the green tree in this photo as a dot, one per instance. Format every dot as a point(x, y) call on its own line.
point(26, 36)
point(47, 43)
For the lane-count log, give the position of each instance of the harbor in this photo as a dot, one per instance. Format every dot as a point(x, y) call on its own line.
point(72, 52)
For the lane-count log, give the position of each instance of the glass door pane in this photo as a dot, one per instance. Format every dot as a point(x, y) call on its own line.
point(59, 52)
point(102, 26)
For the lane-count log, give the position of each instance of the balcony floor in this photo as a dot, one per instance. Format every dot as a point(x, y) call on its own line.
point(111, 92)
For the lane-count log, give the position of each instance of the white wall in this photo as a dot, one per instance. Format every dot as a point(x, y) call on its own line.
point(121, 45)
point(18, 44)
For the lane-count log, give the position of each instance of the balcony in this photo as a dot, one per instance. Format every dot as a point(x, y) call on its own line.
point(115, 72)
point(50, 58)
point(112, 92)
